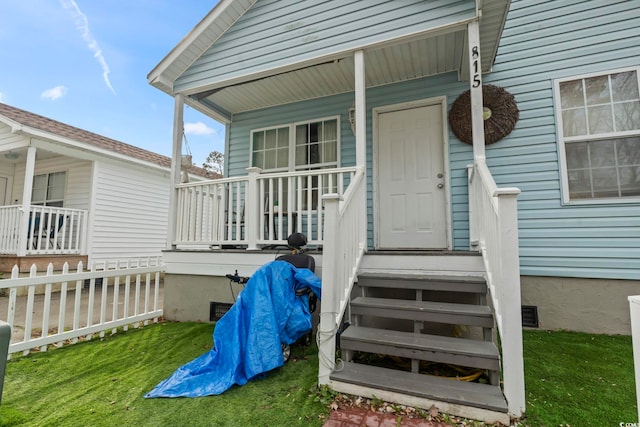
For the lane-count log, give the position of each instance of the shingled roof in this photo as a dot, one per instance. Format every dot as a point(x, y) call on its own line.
point(56, 128)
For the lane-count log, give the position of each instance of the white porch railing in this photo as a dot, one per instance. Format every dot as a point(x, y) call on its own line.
point(344, 246)
point(48, 230)
point(70, 305)
point(493, 229)
point(257, 209)
point(634, 309)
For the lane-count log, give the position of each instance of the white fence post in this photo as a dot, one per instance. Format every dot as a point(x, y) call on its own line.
point(634, 307)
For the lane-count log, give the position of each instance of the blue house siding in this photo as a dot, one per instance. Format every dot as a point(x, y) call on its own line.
point(273, 34)
point(543, 41)
point(443, 85)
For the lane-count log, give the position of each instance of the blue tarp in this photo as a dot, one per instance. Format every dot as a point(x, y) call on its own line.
point(247, 339)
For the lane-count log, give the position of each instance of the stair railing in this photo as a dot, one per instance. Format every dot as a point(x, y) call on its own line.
point(493, 231)
point(344, 247)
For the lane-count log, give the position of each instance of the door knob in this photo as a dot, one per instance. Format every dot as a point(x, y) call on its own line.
point(440, 185)
point(440, 175)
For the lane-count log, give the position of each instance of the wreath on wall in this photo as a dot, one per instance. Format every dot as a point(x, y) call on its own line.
point(500, 114)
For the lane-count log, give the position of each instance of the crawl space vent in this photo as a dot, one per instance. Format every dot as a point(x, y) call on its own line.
point(217, 310)
point(530, 316)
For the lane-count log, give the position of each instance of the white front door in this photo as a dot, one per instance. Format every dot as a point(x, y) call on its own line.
point(410, 179)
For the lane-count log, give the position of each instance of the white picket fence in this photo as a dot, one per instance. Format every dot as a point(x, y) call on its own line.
point(61, 307)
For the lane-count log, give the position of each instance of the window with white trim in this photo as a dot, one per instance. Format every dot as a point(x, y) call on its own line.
point(297, 146)
point(314, 145)
point(599, 118)
point(48, 189)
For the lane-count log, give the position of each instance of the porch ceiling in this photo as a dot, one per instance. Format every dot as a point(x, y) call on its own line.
point(405, 61)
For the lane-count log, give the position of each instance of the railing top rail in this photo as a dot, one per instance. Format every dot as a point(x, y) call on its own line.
point(53, 209)
point(217, 181)
point(353, 188)
point(73, 276)
point(482, 170)
point(347, 169)
point(329, 171)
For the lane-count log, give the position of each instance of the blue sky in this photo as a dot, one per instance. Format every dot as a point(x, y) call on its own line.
point(85, 63)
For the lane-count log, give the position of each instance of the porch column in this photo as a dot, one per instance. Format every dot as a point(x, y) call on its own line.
point(475, 81)
point(361, 132)
point(178, 132)
point(361, 109)
point(27, 189)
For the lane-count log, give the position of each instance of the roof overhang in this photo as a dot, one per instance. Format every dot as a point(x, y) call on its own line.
point(431, 52)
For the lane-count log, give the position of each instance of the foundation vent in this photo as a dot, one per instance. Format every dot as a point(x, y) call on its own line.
point(530, 316)
point(217, 310)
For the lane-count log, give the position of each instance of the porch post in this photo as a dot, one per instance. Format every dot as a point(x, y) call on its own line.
point(178, 131)
point(27, 189)
point(475, 81)
point(361, 113)
point(361, 132)
point(252, 208)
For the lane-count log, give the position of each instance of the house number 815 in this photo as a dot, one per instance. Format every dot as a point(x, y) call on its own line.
point(476, 68)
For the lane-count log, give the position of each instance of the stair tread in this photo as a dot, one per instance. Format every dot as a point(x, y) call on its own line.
point(395, 280)
point(432, 306)
point(425, 386)
point(424, 277)
point(423, 342)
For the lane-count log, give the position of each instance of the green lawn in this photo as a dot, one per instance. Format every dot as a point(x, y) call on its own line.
point(579, 380)
point(571, 379)
point(102, 383)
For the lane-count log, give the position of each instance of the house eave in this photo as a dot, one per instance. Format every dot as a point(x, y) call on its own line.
point(184, 53)
point(77, 147)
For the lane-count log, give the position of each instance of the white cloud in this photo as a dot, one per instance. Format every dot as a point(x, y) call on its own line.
point(198, 128)
point(54, 93)
point(82, 23)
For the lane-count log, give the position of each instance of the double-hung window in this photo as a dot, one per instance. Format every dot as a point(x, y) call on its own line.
point(599, 117)
point(48, 189)
point(296, 147)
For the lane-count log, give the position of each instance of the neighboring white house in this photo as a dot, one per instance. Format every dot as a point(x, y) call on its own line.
point(69, 194)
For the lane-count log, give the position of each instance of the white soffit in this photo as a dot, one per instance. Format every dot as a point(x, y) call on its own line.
point(400, 62)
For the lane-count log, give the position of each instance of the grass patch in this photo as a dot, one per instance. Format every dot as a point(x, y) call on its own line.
point(576, 379)
point(102, 383)
point(572, 379)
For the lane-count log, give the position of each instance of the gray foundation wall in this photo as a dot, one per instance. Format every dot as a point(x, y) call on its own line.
point(582, 305)
point(187, 298)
